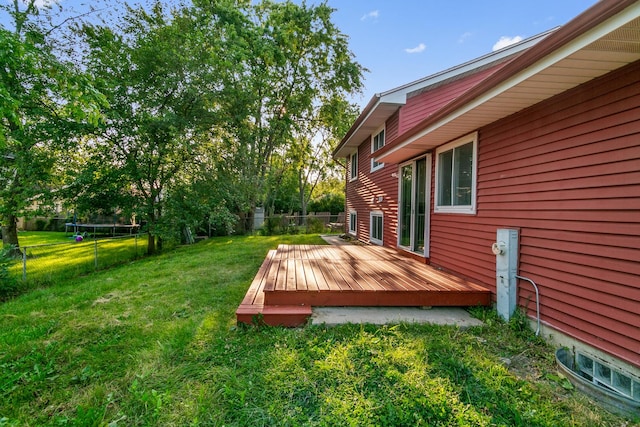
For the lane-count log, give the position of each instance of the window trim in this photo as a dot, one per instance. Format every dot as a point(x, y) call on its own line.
point(381, 130)
point(371, 228)
point(459, 209)
point(353, 169)
point(353, 225)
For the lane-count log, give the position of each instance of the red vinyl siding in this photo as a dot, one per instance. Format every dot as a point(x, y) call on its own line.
point(392, 128)
point(363, 194)
point(566, 174)
point(422, 105)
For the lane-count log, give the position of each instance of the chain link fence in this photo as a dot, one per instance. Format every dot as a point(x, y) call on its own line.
point(52, 262)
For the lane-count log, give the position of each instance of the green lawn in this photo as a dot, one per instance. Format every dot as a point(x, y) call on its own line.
point(53, 257)
point(30, 238)
point(155, 343)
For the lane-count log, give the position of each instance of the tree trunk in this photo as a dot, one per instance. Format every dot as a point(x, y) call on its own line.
point(10, 231)
point(151, 244)
point(152, 219)
point(303, 200)
point(248, 220)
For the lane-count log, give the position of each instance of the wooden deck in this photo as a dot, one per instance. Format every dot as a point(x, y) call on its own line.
point(292, 279)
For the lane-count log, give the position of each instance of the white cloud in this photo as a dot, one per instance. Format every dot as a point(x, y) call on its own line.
point(421, 47)
point(40, 3)
point(464, 37)
point(371, 15)
point(506, 41)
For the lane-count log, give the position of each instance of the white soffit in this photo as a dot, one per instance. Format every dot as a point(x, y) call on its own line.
point(372, 122)
point(607, 47)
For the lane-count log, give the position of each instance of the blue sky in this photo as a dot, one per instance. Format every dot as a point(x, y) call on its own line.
point(403, 40)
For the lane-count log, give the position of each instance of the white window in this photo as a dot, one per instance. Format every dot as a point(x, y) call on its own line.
point(353, 223)
point(456, 170)
point(353, 166)
point(377, 142)
point(376, 228)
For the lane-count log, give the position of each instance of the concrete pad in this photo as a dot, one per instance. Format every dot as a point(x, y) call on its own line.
point(385, 315)
point(334, 239)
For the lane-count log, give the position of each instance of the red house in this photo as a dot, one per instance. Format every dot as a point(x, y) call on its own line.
point(541, 139)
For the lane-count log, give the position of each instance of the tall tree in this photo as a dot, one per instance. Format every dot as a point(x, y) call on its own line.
point(226, 83)
point(45, 103)
point(288, 60)
point(312, 155)
point(158, 75)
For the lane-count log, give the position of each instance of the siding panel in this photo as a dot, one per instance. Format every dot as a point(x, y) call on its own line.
point(566, 173)
point(608, 297)
point(421, 106)
point(375, 191)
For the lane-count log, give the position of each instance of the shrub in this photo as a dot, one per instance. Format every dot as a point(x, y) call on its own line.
point(332, 202)
point(293, 229)
point(223, 221)
point(315, 225)
point(273, 225)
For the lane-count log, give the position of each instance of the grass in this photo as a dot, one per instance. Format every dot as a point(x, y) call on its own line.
point(54, 256)
point(31, 238)
point(155, 343)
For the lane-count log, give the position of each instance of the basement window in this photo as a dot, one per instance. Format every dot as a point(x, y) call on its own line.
point(353, 223)
point(605, 376)
point(376, 228)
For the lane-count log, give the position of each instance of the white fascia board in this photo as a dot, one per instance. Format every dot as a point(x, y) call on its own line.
point(570, 48)
point(395, 97)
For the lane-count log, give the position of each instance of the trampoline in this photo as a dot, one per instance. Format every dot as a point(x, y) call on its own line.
point(94, 228)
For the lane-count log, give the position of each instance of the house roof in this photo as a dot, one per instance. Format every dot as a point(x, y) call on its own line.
point(383, 105)
point(600, 40)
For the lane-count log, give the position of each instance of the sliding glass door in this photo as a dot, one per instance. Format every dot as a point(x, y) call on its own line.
point(413, 215)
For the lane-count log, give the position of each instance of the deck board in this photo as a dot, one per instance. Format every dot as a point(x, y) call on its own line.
point(255, 294)
point(336, 279)
point(294, 278)
point(318, 274)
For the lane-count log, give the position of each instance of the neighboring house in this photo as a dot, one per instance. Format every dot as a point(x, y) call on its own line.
point(542, 137)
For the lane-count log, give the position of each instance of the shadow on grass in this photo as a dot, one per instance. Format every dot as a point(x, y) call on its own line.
point(155, 343)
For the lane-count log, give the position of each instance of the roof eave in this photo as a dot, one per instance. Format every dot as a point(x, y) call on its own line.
point(373, 116)
point(469, 112)
point(384, 105)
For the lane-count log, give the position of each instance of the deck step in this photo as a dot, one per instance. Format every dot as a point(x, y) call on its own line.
point(273, 315)
point(253, 310)
point(378, 298)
